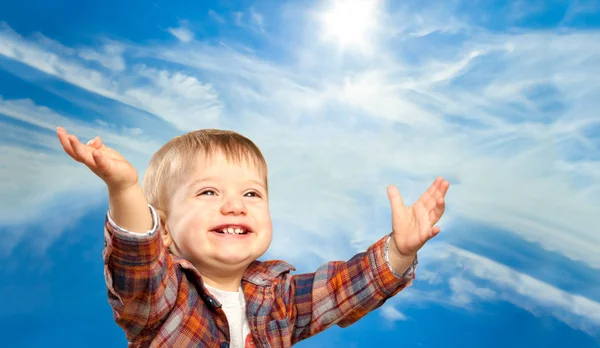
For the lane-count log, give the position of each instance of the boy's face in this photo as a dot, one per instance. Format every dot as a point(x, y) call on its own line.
point(219, 196)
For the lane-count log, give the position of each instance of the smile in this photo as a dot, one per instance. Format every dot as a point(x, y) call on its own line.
point(232, 229)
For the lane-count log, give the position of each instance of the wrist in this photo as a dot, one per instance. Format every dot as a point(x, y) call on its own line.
point(400, 254)
point(128, 208)
point(115, 190)
point(399, 261)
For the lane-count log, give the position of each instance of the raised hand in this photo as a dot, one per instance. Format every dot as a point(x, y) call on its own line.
point(106, 163)
point(413, 226)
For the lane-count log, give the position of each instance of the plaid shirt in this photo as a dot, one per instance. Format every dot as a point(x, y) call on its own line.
point(159, 300)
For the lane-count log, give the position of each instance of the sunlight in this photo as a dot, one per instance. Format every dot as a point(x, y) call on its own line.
point(349, 22)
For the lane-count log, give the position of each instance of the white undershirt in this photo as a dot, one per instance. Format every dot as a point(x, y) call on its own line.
point(234, 305)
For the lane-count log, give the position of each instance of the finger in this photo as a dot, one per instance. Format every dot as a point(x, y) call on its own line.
point(82, 152)
point(428, 202)
point(428, 233)
point(109, 152)
point(424, 222)
point(98, 144)
point(434, 186)
point(436, 213)
point(440, 188)
point(430, 190)
point(439, 194)
point(444, 185)
point(102, 163)
point(440, 202)
point(429, 197)
point(395, 199)
point(95, 143)
point(64, 141)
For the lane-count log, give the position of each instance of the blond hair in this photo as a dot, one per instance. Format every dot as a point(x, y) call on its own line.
point(177, 158)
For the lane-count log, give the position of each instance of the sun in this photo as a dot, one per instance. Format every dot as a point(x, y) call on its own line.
point(350, 22)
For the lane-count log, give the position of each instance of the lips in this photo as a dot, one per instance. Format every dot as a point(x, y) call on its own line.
point(233, 229)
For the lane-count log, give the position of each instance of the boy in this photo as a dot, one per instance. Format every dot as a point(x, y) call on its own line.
point(181, 254)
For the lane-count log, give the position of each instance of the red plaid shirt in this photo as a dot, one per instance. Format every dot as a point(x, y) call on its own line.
point(160, 301)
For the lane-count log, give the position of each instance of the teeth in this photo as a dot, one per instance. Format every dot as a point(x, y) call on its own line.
point(232, 230)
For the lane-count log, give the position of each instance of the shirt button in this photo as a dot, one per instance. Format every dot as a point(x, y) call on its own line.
point(212, 302)
point(224, 345)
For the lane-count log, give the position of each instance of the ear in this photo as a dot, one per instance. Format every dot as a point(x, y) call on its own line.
point(164, 229)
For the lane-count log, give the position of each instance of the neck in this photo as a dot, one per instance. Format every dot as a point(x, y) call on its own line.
point(222, 281)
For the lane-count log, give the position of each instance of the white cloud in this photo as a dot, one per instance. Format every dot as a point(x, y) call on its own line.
point(33, 168)
point(181, 99)
point(174, 96)
point(390, 313)
point(578, 8)
point(25, 110)
point(464, 291)
point(467, 280)
point(214, 15)
point(506, 117)
point(415, 20)
point(31, 179)
point(390, 121)
point(182, 33)
point(257, 20)
point(109, 57)
point(252, 20)
point(523, 291)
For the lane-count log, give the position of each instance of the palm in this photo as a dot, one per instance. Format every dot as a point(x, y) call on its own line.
point(414, 226)
point(103, 161)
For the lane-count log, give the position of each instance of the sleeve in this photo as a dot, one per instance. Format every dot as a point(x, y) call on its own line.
point(341, 293)
point(140, 278)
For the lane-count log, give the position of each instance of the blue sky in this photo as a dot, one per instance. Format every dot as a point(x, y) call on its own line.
point(499, 97)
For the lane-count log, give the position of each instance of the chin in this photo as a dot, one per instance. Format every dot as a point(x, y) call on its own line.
point(233, 257)
point(234, 263)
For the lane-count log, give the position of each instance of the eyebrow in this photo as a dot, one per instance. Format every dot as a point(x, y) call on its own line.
point(212, 178)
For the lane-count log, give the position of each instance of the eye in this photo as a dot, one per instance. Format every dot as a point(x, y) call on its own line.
point(252, 194)
point(207, 193)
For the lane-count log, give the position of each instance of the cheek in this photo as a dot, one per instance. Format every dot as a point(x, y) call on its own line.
point(259, 212)
point(186, 226)
point(263, 217)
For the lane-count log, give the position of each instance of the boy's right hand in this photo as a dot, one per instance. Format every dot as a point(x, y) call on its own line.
point(106, 163)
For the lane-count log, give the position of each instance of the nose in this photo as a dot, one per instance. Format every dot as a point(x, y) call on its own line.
point(233, 206)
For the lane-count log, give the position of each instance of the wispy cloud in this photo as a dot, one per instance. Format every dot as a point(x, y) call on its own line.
point(392, 314)
point(251, 20)
point(35, 194)
point(474, 280)
point(257, 19)
point(458, 119)
point(217, 17)
point(579, 8)
point(109, 57)
point(182, 33)
point(509, 118)
point(172, 95)
point(412, 19)
point(528, 293)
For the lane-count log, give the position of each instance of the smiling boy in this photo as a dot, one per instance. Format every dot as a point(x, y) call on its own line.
point(181, 254)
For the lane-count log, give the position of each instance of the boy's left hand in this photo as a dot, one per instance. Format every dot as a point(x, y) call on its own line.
point(413, 226)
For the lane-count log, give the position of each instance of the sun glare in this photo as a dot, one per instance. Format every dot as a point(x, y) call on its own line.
point(349, 22)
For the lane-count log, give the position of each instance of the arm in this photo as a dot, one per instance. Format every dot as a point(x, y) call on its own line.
point(139, 272)
point(128, 209)
point(341, 293)
point(140, 277)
